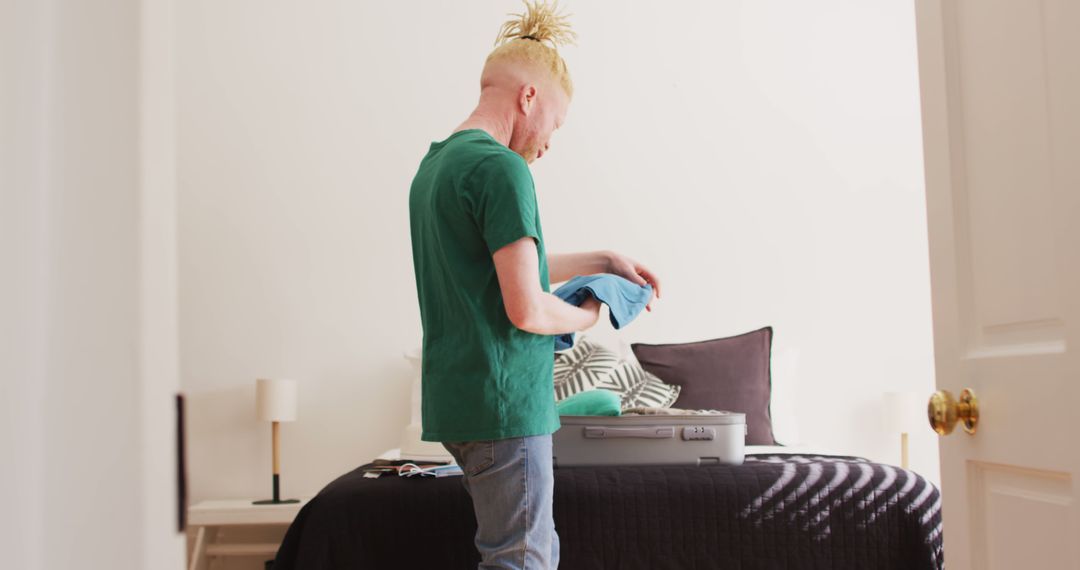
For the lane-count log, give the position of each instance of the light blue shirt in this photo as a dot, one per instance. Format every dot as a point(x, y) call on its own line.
point(624, 298)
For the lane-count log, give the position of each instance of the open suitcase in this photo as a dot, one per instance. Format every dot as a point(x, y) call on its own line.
point(695, 439)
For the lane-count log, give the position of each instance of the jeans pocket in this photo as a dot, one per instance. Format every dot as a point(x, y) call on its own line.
point(479, 456)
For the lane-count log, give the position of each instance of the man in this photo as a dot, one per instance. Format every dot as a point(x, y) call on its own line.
point(483, 280)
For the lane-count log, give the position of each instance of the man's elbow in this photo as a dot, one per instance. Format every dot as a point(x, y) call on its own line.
point(524, 317)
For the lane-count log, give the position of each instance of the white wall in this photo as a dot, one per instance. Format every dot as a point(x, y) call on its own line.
point(88, 338)
point(763, 157)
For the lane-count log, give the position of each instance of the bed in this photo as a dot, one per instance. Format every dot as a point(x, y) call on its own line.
point(776, 511)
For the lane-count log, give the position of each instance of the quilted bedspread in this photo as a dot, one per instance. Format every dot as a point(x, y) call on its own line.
point(776, 511)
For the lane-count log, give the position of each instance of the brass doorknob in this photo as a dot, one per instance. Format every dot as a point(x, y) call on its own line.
point(944, 411)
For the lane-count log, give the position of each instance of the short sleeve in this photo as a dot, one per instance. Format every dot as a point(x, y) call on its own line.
point(503, 201)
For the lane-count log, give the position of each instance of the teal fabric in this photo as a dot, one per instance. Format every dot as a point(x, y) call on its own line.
point(597, 402)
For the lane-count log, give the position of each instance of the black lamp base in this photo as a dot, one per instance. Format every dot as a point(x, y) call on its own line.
point(277, 500)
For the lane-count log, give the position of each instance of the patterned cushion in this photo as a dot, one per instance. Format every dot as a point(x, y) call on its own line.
point(638, 388)
point(581, 368)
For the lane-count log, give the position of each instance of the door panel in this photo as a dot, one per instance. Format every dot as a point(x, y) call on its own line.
point(1005, 500)
point(1000, 82)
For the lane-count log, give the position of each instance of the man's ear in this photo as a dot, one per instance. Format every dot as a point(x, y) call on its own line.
point(527, 98)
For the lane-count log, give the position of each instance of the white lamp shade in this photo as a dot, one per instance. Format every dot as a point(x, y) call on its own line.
point(275, 400)
point(905, 412)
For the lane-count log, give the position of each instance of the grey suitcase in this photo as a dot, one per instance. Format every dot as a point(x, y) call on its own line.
point(695, 439)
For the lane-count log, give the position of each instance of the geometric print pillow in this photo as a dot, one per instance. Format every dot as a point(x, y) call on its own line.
point(637, 387)
point(581, 368)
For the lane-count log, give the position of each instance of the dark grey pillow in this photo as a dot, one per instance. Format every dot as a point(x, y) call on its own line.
point(721, 374)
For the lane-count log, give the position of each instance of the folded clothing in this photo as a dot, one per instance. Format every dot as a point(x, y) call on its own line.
point(624, 298)
point(657, 411)
point(598, 402)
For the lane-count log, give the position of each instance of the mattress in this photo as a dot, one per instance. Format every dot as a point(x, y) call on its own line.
point(776, 510)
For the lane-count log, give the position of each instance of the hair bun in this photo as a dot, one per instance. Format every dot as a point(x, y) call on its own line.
point(541, 22)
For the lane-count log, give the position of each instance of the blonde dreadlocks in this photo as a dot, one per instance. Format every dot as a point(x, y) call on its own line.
point(533, 37)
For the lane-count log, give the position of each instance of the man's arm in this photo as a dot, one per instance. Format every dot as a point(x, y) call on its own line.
point(528, 306)
point(563, 266)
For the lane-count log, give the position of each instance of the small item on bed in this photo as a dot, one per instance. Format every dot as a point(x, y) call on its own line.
point(598, 402)
point(379, 467)
point(412, 469)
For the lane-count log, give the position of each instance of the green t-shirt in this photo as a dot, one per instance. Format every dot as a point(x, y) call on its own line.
point(482, 377)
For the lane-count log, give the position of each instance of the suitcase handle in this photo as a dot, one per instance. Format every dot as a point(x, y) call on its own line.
point(646, 432)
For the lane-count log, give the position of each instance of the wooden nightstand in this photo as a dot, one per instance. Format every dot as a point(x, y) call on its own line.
point(208, 518)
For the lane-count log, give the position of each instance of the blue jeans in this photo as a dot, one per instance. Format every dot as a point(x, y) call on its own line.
point(512, 487)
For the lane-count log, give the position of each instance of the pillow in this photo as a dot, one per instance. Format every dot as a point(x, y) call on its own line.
point(592, 403)
point(722, 374)
point(637, 388)
point(581, 368)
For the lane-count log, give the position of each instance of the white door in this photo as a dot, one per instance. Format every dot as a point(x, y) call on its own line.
point(1000, 84)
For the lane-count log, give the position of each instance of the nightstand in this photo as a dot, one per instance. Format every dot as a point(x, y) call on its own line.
point(208, 518)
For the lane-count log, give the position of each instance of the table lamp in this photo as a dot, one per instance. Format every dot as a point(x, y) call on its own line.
point(275, 402)
point(905, 412)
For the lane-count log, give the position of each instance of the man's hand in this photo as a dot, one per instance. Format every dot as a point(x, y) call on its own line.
point(635, 272)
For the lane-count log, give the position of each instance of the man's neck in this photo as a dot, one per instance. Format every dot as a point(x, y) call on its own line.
point(489, 117)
